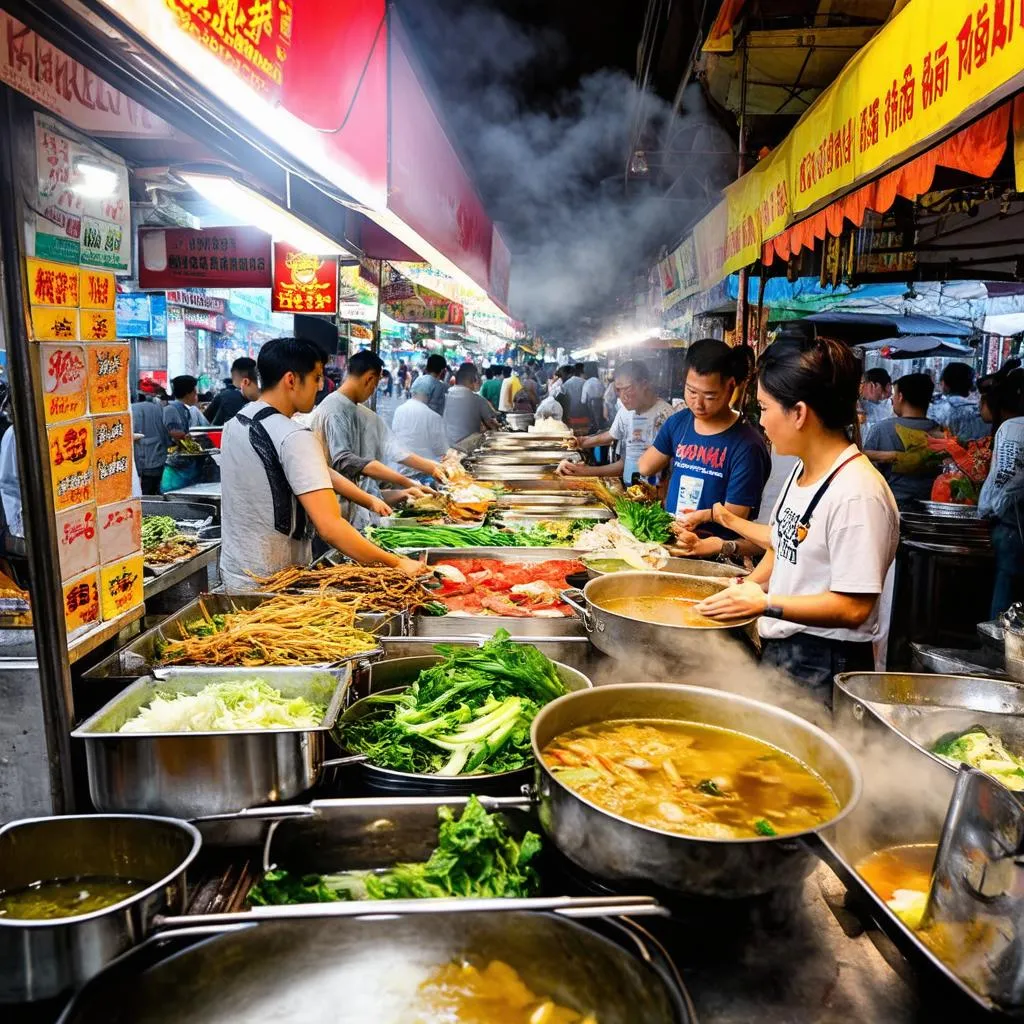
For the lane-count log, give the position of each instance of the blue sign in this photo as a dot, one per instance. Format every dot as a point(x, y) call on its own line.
point(251, 304)
point(158, 315)
point(132, 314)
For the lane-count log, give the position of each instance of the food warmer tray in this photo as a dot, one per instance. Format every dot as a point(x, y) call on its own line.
point(188, 775)
point(948, 509)
point(545, 473)
point(499, 441)
point(921, 708)
point(562, 485)
point(904, 801)
point(140, 656)
point(568, 501)
point(485, 625)
point(532, 457)
point(546, 513)
point(194, 518)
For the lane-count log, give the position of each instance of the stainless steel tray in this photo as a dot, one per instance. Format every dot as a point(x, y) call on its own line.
point(140, 656)
point(680, 566)
point(188, 775)
point(547, 513)
point(528, 457)
point(920, 708)
point(546, 498)
point(501, 441)
point(545, 472)
point(949, 509)
point(434, 555)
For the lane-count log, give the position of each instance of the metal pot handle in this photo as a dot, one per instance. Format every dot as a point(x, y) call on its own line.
point(340, 762)
point(572, 597)
point(261, 814)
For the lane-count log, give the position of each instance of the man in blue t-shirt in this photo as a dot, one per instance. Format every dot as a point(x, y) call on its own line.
point(712, 455)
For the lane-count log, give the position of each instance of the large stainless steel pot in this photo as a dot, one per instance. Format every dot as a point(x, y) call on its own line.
point(356, 971)
point(43, 959)
point(617, 850)
point(621, 635)
point(397, 675)
point(192, 774)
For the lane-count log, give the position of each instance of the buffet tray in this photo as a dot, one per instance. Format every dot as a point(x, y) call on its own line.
point(547, 498)
point(528, 457)
point(140, 656)
point(920, 708)
point(546, 513)
point(502, 441)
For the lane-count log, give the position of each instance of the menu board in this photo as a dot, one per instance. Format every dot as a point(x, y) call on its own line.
point(77, 541)
point(63, 373)
point(120, 529)
point(120, 587)
point(81, 602)
point(83, 369)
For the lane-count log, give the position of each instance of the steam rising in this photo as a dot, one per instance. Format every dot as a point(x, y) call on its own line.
point(555, 179)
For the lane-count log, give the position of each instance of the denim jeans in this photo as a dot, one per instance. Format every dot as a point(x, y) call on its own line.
point(1009, 582)
point(812, 661)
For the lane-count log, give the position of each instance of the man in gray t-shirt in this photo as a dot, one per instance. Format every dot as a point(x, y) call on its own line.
point(465, 412)
point(277, 489)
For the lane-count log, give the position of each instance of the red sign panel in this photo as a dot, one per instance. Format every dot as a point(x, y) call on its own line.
point(303, 282)
point(252, 37)
point(230, 257)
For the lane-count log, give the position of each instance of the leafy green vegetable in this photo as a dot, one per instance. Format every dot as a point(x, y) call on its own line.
point(476, 856)
point(391, 538)
point(470, 713)
point(709, 786)
point(156, 530)
point(985, 752)
point(764, 828)
point(648, 522)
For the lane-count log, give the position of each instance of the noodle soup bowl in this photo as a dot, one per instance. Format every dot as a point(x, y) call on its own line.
point(625, 853)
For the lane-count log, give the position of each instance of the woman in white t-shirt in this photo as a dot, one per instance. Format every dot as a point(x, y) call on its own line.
point(834, 528)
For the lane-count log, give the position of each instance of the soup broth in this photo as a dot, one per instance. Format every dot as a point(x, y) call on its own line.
point(69, 897)
point(899, 867)
point(697, 780)
point(665, 611)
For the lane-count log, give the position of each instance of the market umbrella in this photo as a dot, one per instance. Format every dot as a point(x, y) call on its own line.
point(916, 347)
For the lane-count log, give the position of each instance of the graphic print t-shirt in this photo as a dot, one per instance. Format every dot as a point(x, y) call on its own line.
point(731, 466)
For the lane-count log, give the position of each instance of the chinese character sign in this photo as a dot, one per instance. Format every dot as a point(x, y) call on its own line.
point(63, 375)
point(81, 602)
point(229, 257)
point(120, 530)
point(52, 284)
point(108, 378)
point(112, 443)
point(121, 587)
point(77, 540)
point(97, 289)
point(71, 470)
point(304, 282)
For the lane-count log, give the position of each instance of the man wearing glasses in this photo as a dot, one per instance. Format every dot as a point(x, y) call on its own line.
point(635, 427)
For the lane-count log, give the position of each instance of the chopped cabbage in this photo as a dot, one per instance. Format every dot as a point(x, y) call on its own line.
point(225, 707)
point(909, 906)
point(985, 752)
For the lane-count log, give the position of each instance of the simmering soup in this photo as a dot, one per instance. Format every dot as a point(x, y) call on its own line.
point(902, 876)
point(666, 611)
point(697, 780)
point(68, 897)
point(463, 994)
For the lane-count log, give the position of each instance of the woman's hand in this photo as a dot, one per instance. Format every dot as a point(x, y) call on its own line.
point(740, 601)
point(567, 468)
point(690, 520)
point(379, 506)
point(412, 568)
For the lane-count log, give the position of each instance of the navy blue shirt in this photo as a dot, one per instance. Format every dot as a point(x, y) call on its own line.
point(730, 467)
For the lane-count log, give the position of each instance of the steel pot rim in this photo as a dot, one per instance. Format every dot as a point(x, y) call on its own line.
point(750, 702)
point(63, 922)
point(623, 577)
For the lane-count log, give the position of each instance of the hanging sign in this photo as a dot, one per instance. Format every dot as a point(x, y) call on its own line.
point(81, 602)
point(108, 378)
point(250, 38)
point(97, 289)
point(51, 284)
point(120, 529)
point(121, 587)
point(97, 325)
point(54, 323)
point(63, 374)
point(112, 443)
point(133, 316)
point(82, 205)
point(77, 541)
point(410, 303)
point(303, 282)
point(71, 470)
point(357, 295)
point(228, 257)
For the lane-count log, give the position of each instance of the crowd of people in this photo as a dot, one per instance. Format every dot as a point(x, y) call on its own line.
point(301, 459)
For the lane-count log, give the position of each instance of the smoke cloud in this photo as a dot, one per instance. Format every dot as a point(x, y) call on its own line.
point(554, 179)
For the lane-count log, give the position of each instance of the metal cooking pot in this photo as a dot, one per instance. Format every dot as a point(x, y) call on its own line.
point(619, 635)
point(352, 971)
point(44, 959)
point(617, 850)
point(398, 674)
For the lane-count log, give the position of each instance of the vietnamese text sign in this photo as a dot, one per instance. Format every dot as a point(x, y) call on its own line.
point(228, 257)
point(63, 374)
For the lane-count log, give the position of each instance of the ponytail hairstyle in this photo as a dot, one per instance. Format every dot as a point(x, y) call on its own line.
point(709, 355)
point(822, 373)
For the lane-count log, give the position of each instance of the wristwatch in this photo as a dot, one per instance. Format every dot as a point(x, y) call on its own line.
point(771, 611)
point(729, 548)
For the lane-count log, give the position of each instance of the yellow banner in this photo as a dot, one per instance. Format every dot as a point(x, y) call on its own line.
point(1018, 142)
point(932, 68)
